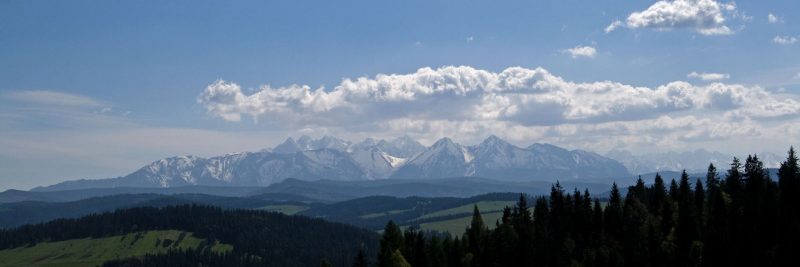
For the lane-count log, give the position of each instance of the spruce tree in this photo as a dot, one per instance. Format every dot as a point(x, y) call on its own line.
point(699, 204)
point(360, 259)
point(612, 219)
point(789, 184)
point(712, 180)
point(476, 235)
point(391, 242)
point(686, 231)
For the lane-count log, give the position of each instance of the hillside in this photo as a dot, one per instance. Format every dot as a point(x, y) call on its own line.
point(370, 212)
point(426, 213)
point(275, 239)
point(96, 251)
point(26, 212)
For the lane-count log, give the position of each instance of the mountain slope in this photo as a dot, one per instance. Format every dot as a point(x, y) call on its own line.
point(96, 251)
point(331, 158)
point(499, 159)
point(444, 158)
point(278, 239)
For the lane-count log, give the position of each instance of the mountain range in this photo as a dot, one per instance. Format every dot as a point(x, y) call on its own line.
point(331, 158)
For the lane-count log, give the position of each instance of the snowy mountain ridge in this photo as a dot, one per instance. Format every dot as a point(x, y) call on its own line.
point(332, 158)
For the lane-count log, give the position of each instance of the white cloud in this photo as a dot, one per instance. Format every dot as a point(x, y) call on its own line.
point(520, 104)
point(771, 18)
point(470, 39)
point(515, 95)
point(784, 40)
point(613, 26)
point(706, 17)
point(581, 51)
point(708, 76)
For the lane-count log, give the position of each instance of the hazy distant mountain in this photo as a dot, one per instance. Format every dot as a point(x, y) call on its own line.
point(691, 161)
point(243, 169)
point(444, 158)
point(335, 159)
point(496, 158)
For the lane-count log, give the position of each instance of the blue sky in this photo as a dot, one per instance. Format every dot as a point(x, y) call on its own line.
point(93, 89)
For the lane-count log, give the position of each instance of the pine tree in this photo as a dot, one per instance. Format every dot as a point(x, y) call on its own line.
point(686, 231)
point(712, 180)
point(612, 219)
point(361, 259)
point(391, 242)
point(635, 231)
point(541, 231)
point(674, 194)
point(789, 183)
point(435, 252)
point(699, 204)
point(758, 212)
point(476, 235)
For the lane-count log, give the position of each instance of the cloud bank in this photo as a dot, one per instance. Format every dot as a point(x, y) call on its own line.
point(518, 103)
point(706, 17)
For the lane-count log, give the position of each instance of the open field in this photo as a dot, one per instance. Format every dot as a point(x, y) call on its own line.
point(92, 252)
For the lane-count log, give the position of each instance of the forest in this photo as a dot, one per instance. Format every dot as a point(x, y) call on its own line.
point(259, 238)
point(736, 217)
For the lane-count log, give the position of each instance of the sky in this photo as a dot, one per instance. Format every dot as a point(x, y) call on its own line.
point(97, 89)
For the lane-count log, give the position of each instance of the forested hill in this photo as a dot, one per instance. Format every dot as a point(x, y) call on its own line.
point(264, 238)
point(737, 217)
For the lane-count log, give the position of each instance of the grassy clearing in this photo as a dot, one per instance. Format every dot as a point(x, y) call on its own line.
point(93, 252)
point(381, 214)
point(285, 209)
point(483, 206)
point(458, 225)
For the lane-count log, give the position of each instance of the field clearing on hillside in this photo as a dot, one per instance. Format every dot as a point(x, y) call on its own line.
point(380, 214)
point(483, 207)
point(93, 252)
point(457, 226)
point(285, 209)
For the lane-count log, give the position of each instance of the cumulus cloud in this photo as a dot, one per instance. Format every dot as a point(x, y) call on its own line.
point(516, 95)
point(708, 76)
point(771, 18)
point(581, 51)
point(784, 40)
point(706, 17)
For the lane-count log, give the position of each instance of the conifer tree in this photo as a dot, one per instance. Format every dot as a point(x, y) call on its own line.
point(476, 235)
point(612, 218)
point(686, 229)
point(699, 204)
point(789, 184)
point(361, 259)
point(390, 244)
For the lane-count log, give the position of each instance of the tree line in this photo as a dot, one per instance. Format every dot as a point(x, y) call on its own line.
point(259, 238)
point(736, 217)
